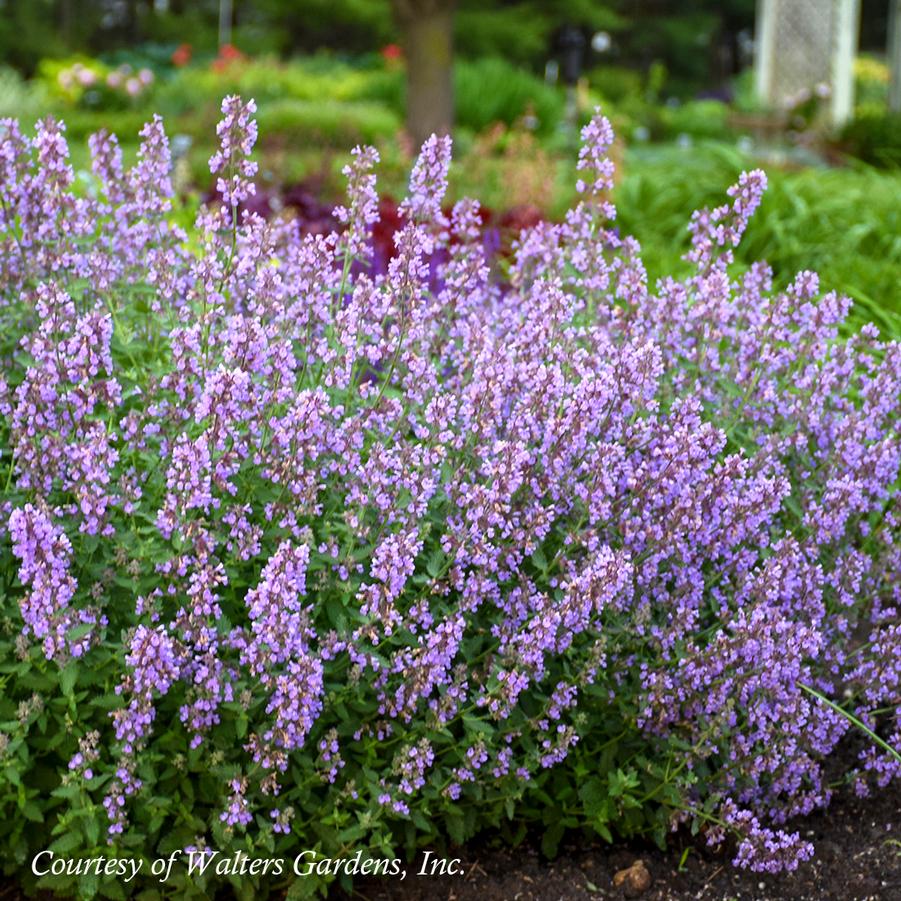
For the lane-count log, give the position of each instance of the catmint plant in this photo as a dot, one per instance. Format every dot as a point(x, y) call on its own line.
point(302, 551)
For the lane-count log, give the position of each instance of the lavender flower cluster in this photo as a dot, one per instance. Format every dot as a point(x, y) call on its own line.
point(410, 538)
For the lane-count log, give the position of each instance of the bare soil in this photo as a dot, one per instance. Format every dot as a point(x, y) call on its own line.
point(858, 857)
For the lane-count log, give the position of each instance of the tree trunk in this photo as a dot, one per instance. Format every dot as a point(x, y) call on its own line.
point(427, 29)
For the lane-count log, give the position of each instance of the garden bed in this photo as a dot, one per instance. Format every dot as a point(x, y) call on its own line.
point(858, 857)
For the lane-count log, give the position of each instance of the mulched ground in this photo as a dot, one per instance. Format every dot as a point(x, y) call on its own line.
point(858, 857)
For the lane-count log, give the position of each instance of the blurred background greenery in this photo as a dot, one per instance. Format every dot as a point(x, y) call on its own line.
point(521, 75)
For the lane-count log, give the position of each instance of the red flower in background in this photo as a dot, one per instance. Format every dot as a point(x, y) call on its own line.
point(228, 54)
point(182, 55)
point(392, 54)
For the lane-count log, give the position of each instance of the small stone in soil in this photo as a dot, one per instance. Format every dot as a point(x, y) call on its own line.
point(633, 880)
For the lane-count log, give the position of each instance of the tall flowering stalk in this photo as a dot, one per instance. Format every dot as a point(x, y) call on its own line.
point(411, 544)
point(45, 555)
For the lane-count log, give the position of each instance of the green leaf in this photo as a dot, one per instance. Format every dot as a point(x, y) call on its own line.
point(66, 791)
point(455, 827)
point(474, 724)
point(305, 887)
point(111, 888)
point(550, 841)
point(67, 678)
point(620, 782)
point(107, 702)
point(88, 885)
point(351, 833)
point(92, 830)
point(336, 613)
point(593, 795)
point(435, 562)
point(80, 631)
point(67, 842)
point(31, 811)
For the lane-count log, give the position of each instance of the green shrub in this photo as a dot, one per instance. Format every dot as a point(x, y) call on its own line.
point(17, 97)
point(618, 84)
point(874, 136)
point(81, 123)
point(491, 90)
point(696, 118)
point(326, 123)
point(311, 78)
point(844, 223)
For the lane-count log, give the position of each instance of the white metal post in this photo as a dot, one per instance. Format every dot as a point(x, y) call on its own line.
point(847, 27)
point(764, 39)
point(225, 22)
